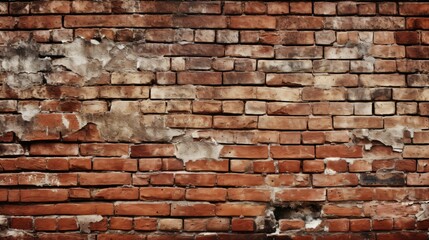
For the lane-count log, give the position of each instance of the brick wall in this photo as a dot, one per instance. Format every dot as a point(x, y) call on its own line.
point(214, 120)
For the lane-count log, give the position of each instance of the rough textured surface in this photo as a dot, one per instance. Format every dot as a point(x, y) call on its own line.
point(129, 119)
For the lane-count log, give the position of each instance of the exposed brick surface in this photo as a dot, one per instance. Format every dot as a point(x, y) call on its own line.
point(223, 120)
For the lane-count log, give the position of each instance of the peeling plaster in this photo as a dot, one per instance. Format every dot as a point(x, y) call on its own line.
point(424, 213)
point(392, 137)
point(188, 149)
point(85, 221)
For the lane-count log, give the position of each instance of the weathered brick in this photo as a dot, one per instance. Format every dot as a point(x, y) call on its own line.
point(152, 150)
point(299, 52)
point(339, 151)
point(413, 9)
point(282, 123)
point(358, 122)
point(200, 78)
point(290, 195)
point(196, 209)
point(75, 21)
point(233, 122)
point(59, 149)
point(300, 22)
point(252, 22)
point(38, 22)
point(142, 209)
point(243, 78)
point(293, 152)
point(285, 66)
point(254, 51)
point(244, 152)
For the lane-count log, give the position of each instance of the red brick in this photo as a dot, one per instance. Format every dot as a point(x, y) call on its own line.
point(254, 8)
point(45, 224)
point(90, 7)
point(313, 166)
point(50, 7)
point(21, 223)
point(300, 180)
point(382, 224)
point(417, 179)
point(200, 78)
point(254, 51)
point(301, 7)
point(293, 152)
point(39, 22)
point(235, 122)
point(289, 166)
point(207, 165)
point(301, 23)
point(189, 121)
point(278, 8)
point(121, 223)
point(80, 163)
point(206, 194)
point(7, 22)
point(242, 225)
point(407, 38)
point(67, 224)
point(339, 151)
point(349, 194)
point(286, 224)
point(413, 9)
point(416, 152)
point(404, 223)
point(115, 164)
point(417, 52)
point(417, 23)
point(164, 193)
point(195, 179)
point(192, 209)
point(74, 21)
point(252, 22)
point(387, 8)
point(264, 167)
point(200, 21)
point(288, 195)
point(99, 226)
point(58, 149)
point(249, 194)
point(145, 224)
point(42, 179)
point(244, 152)
point(288, 109)
point(360, 225)
point(142, 209)
point(341, 179)
point(170, 224)
point(106, 149)
point(240, 209)
point(282, 123)
point(94, 179)
point(244, 78)
point(240, 180)
point(337, 225)
point(116, 194)
point(162, 179)
point(342, 211)
point(150, 164)
point(152, 150)
point(44, 195)
point(79, 193)
point(172, 164)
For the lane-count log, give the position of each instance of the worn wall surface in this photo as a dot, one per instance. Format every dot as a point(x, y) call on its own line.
point(214, 120)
